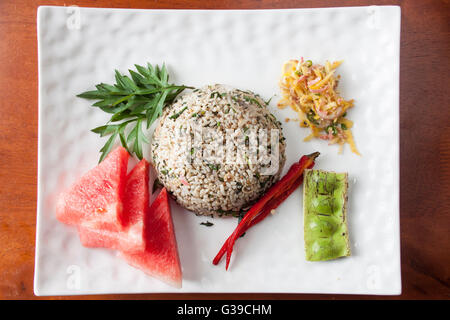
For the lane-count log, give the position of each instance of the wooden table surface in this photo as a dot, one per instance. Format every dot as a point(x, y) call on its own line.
point(424, 144)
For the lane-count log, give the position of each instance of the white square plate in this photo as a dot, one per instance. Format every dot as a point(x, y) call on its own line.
point(80, 47)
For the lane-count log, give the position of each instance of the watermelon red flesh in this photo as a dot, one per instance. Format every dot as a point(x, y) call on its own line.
point(135, 205)
point(95, 200)
point(136, 195)
point(116, 240)
point(160, 258)
point(95, 238)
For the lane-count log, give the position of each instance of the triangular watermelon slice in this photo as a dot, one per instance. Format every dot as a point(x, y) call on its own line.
point(160, 258)
point(95, 200)
point(135, 204)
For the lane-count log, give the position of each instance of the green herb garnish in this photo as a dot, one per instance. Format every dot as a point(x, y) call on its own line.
point(268, 101)
point(176, 115)
point(214, 166)
point(246, 140)
point(217, 94)
point(247, 159)
point(207, 223)
point(250, 99)
point(333, 130)
point(131, 101)
point(310, 115)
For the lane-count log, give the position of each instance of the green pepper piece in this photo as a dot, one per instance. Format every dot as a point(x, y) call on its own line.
point(325, 210)
point(322, 249)
point(323, 204)
point(321, 225)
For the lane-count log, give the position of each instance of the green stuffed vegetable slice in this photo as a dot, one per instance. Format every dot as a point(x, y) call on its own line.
point(325, 215)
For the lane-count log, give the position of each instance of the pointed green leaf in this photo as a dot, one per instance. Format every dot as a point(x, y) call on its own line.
point(158, 109)
point(105, 130)
point(93, 95)
point(173, 94)
point(123, 140)
point(132, 134)
point(141, 134)
point(143, 107)
point(125, 114)
point(120, 81)
point(107, 147)
point(137, 148)
point(142, 70)
point(137, 78)
point(150, 69)
point(164, 76)
point(129, 84)
point(107, 102)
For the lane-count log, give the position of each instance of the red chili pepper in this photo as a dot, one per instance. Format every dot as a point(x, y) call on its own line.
point(271, 200)
point(257, 219)
point(272, 204)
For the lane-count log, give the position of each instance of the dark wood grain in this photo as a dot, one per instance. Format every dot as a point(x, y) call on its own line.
point(424, 139)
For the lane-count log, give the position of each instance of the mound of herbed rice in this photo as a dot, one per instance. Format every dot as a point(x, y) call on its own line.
point(218, 149)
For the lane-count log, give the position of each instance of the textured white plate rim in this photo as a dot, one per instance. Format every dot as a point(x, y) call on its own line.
point(216, 10)
point(37, 290)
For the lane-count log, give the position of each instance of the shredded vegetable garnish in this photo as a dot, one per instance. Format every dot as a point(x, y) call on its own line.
point(310, 90)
